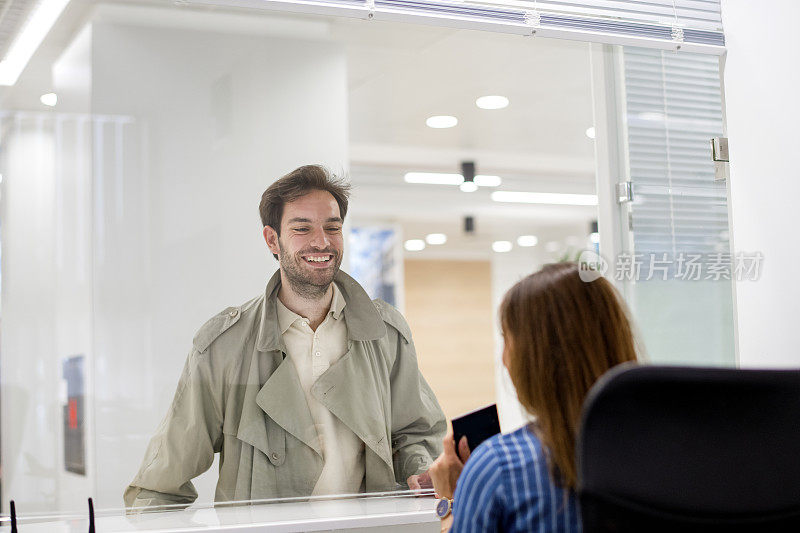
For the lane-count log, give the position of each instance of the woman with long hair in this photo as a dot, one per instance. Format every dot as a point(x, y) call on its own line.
point(560, 335)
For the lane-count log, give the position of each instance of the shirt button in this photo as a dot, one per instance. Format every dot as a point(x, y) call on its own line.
point(318, 354)
point(274, 456)
point(233, 313)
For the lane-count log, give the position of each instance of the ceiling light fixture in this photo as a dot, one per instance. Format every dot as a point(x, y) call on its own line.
point(436, 238)
point(527, 240)
point(441, 121)
point(49, 99)
point(468, 173)
point(433, 178)
point(415, 245)
point(544, 198)
point(502, 246)
point(29, 39)
point(487, 181)
point(440, 178)
point(492, 102)
point(590, 132)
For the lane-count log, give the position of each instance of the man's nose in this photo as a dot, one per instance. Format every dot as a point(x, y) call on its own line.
point(319, 239)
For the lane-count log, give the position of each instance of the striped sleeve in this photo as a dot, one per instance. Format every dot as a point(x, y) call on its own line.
point(478, 500)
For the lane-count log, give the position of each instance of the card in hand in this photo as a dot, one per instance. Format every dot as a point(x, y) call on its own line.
point(477, 426)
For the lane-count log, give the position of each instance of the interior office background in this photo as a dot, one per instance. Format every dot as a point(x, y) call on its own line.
point(70, 265)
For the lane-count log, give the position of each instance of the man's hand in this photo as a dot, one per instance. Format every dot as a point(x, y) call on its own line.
point(421, 481)
point(447, 467)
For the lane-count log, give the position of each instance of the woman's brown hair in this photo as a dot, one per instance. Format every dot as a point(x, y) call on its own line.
point(561, 335)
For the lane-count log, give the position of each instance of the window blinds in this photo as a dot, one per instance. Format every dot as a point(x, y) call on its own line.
point(688, 25)
point(673, 109)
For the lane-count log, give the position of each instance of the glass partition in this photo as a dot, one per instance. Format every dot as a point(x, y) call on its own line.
point(143, 343)
point(139, 345)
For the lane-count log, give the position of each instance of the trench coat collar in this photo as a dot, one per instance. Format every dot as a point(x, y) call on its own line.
point(364, 322)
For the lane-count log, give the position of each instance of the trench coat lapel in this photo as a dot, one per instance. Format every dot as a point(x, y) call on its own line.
point(281, 397)
point(283, 400)
point(349, 390)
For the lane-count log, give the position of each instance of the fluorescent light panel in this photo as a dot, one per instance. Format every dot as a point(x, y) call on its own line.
point(487, 181)
point(434, 178)
point(29, 39)
point(438, 178)
point(544, 198)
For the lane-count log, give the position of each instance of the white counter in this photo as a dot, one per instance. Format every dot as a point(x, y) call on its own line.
point(388, 513)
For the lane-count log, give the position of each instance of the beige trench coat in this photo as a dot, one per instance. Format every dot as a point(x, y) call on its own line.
point(240, 396)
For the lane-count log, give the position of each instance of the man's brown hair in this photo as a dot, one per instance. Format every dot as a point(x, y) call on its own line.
point(297, 184)
point(562, 335)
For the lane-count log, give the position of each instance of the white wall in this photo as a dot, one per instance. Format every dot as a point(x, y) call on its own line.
point(47, 290)
point(763, 113)
point(186, 131)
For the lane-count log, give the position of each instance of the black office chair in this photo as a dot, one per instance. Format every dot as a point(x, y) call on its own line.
point(691, 449)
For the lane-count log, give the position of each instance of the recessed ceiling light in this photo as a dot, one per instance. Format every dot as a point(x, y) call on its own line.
point(441, 121)
point(436, 238)
point(590, 132)
point(527, 240)
point(468, 186)
point(49, 99)
point(29, 39)
point(544, 198)
point(415, 245)
point(433, 178)
point(501, 246)
point(492, 102)
point(487, 181)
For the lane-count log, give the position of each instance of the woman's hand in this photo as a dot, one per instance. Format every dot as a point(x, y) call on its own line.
point(447, 467)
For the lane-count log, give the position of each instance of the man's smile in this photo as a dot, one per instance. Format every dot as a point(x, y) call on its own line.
point(318, 260)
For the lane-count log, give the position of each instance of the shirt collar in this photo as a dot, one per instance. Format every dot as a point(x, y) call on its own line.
point(364, 321)
point(287, 317)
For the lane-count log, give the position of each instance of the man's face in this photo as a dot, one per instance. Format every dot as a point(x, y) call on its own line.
point(310, 245)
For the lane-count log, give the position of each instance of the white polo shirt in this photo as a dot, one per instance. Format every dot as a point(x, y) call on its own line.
point(312, 353)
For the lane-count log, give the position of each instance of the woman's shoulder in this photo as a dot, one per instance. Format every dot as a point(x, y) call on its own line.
point(514, 449)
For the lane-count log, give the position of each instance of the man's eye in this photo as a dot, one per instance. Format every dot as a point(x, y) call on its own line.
point(300, 230)
point(334, 229)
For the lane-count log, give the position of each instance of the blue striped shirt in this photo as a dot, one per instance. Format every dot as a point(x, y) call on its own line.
point(506, 486)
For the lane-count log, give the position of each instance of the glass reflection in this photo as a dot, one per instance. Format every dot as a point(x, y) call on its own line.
point(130, 218)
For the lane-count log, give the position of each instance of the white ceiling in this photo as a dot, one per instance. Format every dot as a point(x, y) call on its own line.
point(399, 74)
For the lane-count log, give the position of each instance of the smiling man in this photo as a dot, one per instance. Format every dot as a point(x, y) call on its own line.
point(309, 389)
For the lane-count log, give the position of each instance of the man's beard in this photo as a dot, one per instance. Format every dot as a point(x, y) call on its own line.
point(308, 285)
